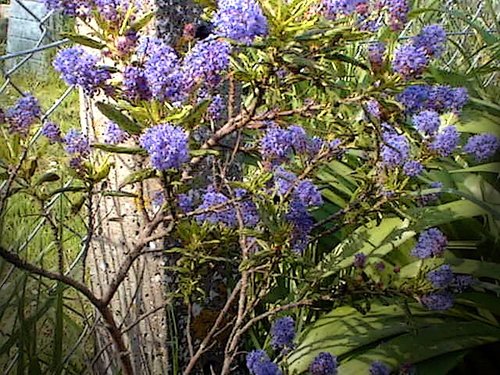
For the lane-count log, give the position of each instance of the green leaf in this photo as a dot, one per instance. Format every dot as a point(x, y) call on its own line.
point(475, 268)
point(203, 152)
point(489, 168)
point(427, 343)
point(346, 330)
point(47, 177)
point(442, 364)
point(115, 115)
point(138, 176)
point(84, 40)
point(122, 194)
point(120, 149)
point(143, 21)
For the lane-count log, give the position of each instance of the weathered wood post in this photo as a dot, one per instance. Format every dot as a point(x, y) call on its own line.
point(140, 304)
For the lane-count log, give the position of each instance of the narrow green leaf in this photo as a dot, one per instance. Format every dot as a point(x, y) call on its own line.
point(120, 149)
point(138, 176)
point(84, 40)
point(115, 115)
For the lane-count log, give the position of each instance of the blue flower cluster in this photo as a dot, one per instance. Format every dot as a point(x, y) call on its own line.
point(278, 145)
point(413, 168)
point(439, 301)
point(482, 146)
point(360, 260)
point(446, 141)
point(72, 8)
point(398, 12)
point(258, 363)
point(379, 368)
point(135, 84)
point(395, 150)
point(205, 63)
point(227, 214)
point(373, 108)
point(77, 143)
point(427, 122)
point(52, 131)
point(241, 20)
point(160, 69)
point(283, 333)
point(23, 114)
point(78, 67)
point(432, 39)
point(336, 8)
point(411, 59)
point(302, 222)
point(167, 146)
point(441, 277)
point(439, 98)
point(431, 243)
point(324, 364)
point(114, 134)
point(216, 108)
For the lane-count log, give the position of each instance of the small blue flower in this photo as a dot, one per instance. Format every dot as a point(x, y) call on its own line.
point(23, 114)
point(441, 277)
point(413, 168)
point(432, 39)
point(410, 61)
point(324, 364)
point(52, 131)
point(379, 368)
point(482, 146)
point(283, 333)
point(114, 134)
point(77, 143)
point(438, 301)
point(431, 243)
point(446, 141)
point(427, 122)
point(167, 146)
point(241, 20)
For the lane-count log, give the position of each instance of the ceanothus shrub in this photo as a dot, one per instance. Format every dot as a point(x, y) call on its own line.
point(236, 127)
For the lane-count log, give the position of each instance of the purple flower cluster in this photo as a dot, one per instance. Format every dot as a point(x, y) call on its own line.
point(258, 363)
point(227, 213)
point(304, 191)
point(160, 69)
point(78, 67)
point(461, 283)
point(446, 141)
point(23, 114)
point(302, 224)
point(324, 364)
point(115, 10)
point(72, 8)
point(342, 7)
point(482, 146)
point(283, 333)
point(410, 61)
point(52, 131)
point(438, 98)
point(77, 143)
point(427, 122)
point(216, 108)
point(438, 301)
point(398, 13)
point(224, 214)
point(185, 202)
point(359, 260)
point(432, 39)
point(114, 134)
point(167, 145)
point(373, 108)
point(277, 144)
point(379, 368)
point(396, 149)
point(441, 277)
point(205, 63)
point(413, 168)
point(135, 84)
point(431, 243)
point(241, 20)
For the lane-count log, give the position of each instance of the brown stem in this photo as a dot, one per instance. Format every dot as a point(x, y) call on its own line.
point(205, 343)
